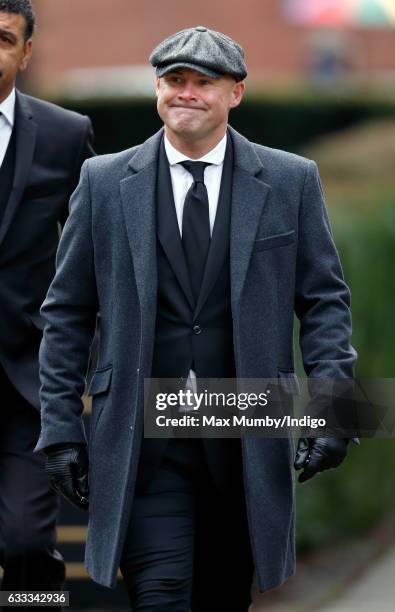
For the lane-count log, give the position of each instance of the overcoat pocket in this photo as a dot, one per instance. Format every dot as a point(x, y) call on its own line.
point(100, 381)
point(271, 242)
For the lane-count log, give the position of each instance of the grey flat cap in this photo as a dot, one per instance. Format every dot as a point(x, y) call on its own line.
point(201, 49)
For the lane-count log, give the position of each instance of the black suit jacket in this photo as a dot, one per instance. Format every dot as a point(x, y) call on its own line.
point(51, 145)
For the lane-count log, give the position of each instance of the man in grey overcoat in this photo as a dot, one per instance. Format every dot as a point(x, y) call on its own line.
point(197, 247)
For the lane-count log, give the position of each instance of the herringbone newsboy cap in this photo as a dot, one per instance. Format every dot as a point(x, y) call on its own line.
point(201, 49)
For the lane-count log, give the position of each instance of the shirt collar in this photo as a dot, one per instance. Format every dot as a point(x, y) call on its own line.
point(215, 156)
point(7, 108)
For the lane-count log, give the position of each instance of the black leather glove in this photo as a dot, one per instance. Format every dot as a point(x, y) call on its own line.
point(67, 470)
point(319, 454)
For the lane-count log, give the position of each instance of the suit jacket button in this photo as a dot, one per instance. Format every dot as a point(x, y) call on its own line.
point(197, 329)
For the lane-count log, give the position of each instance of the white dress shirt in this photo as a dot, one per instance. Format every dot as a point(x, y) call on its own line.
point(181, 181)
point(7, 117)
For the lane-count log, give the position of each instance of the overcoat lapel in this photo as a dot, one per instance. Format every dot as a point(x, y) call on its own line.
point(26, 130)
point(249, 193)
point(138, 203)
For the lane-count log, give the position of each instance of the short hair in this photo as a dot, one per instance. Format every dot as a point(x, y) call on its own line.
point(21, 7)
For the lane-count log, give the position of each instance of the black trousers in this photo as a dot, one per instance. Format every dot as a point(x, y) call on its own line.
point(187, 545)
point(28, 506)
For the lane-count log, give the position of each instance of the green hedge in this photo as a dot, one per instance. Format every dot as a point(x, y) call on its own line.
point(282, 122)
point(366, 242)
point(343, 503)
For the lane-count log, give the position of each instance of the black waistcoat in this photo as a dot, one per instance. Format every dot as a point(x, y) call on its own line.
point(189, 335)
point(7, 171)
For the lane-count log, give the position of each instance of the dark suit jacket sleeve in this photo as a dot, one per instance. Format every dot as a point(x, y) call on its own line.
point(85, 151)
point(322, 298)
point(69, 312)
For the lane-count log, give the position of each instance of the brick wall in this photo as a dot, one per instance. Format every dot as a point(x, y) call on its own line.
point(99, 33)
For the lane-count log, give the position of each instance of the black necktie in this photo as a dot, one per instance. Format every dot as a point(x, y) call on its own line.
point(196, 225)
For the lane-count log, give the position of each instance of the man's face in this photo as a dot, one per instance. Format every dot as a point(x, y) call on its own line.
point(193, 106)
point(14, 51)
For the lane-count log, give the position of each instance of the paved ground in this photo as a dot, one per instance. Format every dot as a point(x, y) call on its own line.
point(357, 576)
point(374, 590)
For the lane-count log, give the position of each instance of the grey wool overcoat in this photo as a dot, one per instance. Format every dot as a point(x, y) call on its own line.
point(282, 259)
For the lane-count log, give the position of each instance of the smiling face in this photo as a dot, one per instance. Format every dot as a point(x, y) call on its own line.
point(14, 50)
point(195, 108)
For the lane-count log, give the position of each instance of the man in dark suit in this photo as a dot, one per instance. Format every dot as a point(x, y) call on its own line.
point(42, 148)
point(196, 246)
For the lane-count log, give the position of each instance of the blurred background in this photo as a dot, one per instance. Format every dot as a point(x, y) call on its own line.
point(322, 84)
